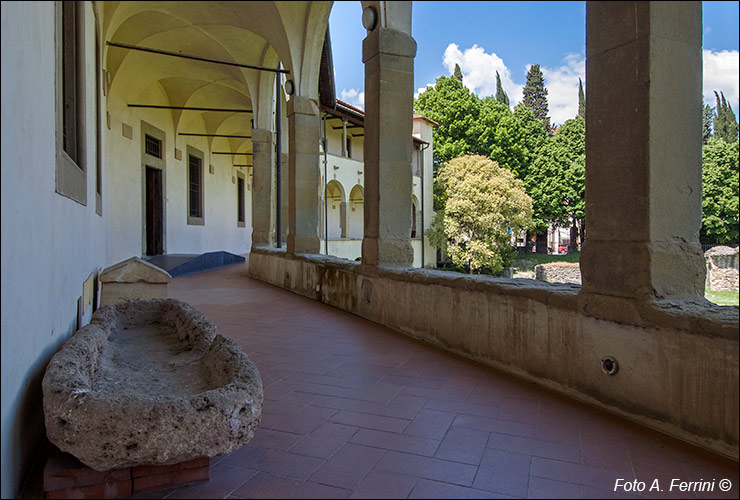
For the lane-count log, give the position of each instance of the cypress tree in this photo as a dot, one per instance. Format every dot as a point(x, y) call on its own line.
point(581, 100)
point(707, 122)
point(500, 94)
point(458, 72)
point(725, 123)
point(535, 95)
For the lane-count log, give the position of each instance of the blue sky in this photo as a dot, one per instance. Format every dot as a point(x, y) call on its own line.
point(483, 37)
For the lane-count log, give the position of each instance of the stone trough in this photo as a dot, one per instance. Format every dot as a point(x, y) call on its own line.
point(150, 382)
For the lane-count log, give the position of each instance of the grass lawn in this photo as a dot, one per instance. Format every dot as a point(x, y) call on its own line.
point(526, 263)
point(723, 298)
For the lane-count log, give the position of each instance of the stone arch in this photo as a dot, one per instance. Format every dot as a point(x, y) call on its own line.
point(336, 210)
point(356, 213)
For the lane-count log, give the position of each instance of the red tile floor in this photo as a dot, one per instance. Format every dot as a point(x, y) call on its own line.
point(356, 410)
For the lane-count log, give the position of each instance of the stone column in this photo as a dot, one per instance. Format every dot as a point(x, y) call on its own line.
point(263, 208)
point(388, 55)
point(303, 176)
point(643, 153)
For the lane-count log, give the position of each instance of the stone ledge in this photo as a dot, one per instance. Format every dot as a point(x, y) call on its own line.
point(699, 316)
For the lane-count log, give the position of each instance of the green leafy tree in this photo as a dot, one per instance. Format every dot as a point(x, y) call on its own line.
point(457, 110)
point(535, 95)
point(458, 72)
point(484, 204)
point(556, 180)
point(581, 100)
point(707, 123)
point(720, 192)
point(725, 123)
point(500, 94)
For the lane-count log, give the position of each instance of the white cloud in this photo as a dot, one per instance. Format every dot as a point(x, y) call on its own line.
point(353, 97)
point(479, 75)
point(479, 71)
point(422, 89)
point(562, 87)
point(721, 74)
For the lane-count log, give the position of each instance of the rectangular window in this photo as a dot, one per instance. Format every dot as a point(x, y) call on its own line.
point(71, 176)
point(195, 187)
point(240, 200)
point(153, 146)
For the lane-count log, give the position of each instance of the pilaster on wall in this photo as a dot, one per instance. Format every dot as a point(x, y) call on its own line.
point(263, 208)
point(303, 176)
point(643, 150)
point(388, 55)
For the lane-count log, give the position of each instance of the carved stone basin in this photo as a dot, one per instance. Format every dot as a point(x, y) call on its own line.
point(150, 382)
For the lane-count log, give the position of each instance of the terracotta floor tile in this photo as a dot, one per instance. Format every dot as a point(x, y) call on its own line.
point(577, 473)
point(523, 429)
point(397, 442)
point(224, 480)
point(548, 488)
point(463, 445)
point(430, 424)
point(274, 440)
point(435, 489)
point(385, 484)
point(370, 421)
point(305, 420)
point(404, 406)
point(271, 486)
point(504, 473)
point(325, 440)
point(428, 468)
point(273, 462)
point(536, 447)
point(348, 466)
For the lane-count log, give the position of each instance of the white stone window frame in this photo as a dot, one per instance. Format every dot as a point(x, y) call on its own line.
point(241, 205)
point(71, 169)
point(195, 220)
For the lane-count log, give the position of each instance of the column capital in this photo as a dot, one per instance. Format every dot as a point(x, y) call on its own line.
point(299, 105)
point(262, 135)
point(388, 41)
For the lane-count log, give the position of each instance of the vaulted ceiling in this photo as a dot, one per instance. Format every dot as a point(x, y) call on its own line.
point(260, 33)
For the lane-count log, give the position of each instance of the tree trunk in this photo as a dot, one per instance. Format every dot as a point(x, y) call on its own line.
point(542, 243)
point(573, 237)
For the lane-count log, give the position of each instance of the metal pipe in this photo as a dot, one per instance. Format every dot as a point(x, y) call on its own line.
point(215, 135)
point(279, 160)
point(189, 108)
point(326, 206)
point(421, 174)
point(195, 58)
point(229, 153)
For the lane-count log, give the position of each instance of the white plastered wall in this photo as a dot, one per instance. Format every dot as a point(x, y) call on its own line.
point(50, 243)
point(126, 206)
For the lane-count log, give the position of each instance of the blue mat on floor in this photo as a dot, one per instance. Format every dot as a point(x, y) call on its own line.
point(180, 265)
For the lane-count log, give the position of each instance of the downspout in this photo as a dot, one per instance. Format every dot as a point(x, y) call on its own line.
point(326, 207)
point(279, 160)
point(421, 174)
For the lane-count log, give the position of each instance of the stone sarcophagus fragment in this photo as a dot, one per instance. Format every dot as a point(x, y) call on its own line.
point(150, 382)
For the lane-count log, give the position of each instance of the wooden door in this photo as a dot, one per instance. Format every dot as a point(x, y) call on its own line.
point(154, 212)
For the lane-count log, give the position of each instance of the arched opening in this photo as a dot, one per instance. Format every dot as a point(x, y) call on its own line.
point(336, 208)
point(356, 213)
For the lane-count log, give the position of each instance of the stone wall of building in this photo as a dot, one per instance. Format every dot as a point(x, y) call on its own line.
point(559, 272)
point(722, 269)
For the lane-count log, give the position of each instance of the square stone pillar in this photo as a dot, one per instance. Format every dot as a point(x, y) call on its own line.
point(388, 55)
point(643, 151)
point(303, 176)
point(263, 208)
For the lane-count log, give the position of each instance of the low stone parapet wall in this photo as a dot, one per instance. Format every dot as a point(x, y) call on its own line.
point(559, 272)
